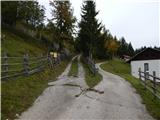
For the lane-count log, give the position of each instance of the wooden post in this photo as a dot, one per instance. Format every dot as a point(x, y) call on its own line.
point(26, 64)
point(41, 61)
point(50, 61)
point(139, 73)
point(57, 59)
point(145, 79)
point(154, 83)
point(6, 63)
point(94, 68)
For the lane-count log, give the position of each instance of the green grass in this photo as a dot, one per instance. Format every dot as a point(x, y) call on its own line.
point(122, 69)
point(15, 45)
point(150, 84)
point(19, 94)
point(91, 79)
point(74, 68)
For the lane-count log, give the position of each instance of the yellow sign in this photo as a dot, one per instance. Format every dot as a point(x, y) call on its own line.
point(55, 55)
point(51, 53)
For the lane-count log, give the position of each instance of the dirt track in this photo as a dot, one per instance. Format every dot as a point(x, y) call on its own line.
point(59, 100)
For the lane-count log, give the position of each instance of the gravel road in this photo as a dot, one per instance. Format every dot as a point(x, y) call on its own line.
point(59, 101)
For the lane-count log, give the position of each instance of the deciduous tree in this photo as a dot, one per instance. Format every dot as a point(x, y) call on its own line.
point(64, 21)
point(112, 46)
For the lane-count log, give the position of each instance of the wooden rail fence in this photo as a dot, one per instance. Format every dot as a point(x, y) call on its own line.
point(150, 82)
point(26, 65)
point(91, 64)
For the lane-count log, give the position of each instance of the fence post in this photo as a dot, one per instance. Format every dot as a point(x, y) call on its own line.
point(139, 73)
point(59, 59)
point(94, 68)
point(50, 61)
point(6, 63)
point(154, 83)
point(145, 80)
point(41, 60)
point(26, 63)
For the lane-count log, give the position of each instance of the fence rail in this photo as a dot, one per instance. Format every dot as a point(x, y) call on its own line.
point(91, 65)
point(25, 65)
point(150, 82)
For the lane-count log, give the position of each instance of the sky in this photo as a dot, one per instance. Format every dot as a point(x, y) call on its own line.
point(135, 20)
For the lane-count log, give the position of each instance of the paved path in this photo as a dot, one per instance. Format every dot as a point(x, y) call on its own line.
point(58, 101)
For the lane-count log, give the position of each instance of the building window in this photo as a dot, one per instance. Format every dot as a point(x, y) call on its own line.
point(146, 67)
point(146, 70)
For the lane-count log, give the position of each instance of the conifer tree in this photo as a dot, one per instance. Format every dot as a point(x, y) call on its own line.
point(90, 29)
point(130, 49)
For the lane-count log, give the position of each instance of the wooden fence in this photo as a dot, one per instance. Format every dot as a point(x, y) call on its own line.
point(91, 64)
point(26, 65)
point(150, 82)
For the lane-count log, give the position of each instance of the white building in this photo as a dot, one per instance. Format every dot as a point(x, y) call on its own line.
point(147, 61)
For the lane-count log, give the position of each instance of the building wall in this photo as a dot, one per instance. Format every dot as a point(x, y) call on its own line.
point(154, 65)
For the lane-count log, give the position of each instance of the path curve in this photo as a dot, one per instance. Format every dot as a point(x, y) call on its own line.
point(119, 100)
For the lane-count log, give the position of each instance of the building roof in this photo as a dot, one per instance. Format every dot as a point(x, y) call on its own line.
point(126, 56)
point(147, 54)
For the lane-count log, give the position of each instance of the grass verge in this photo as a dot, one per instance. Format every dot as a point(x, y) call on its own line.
point(91, 79)
point(19, 94)
point(74, 68)
point(122, 69)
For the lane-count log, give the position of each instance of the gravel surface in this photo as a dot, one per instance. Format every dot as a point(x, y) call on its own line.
point(118, 102)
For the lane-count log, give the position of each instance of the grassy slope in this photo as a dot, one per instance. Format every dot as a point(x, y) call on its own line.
point(19, 93)
point(15, 45)
point(74, 68)
point(91, 79)
point(118, 67)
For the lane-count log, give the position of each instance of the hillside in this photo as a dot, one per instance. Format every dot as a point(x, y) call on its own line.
point(18, 94)
point(17, 44)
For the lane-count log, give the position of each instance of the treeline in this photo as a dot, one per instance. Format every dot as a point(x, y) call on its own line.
point(143, 48)
point(94, 40)
point(58, 32)
point(29, 12)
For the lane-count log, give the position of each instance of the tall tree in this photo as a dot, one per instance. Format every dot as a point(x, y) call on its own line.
point(130, 49)
point(123, 49)
point(28, 11)
point(64, 21)
point(31, 13)
point(89, 33)
point(112, 46)
point(9, 12)
point(102, 50)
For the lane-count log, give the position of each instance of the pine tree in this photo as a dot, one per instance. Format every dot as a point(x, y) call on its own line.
point(101, 51)
point(130, 49)
point(89, 33)
point(123, 49)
